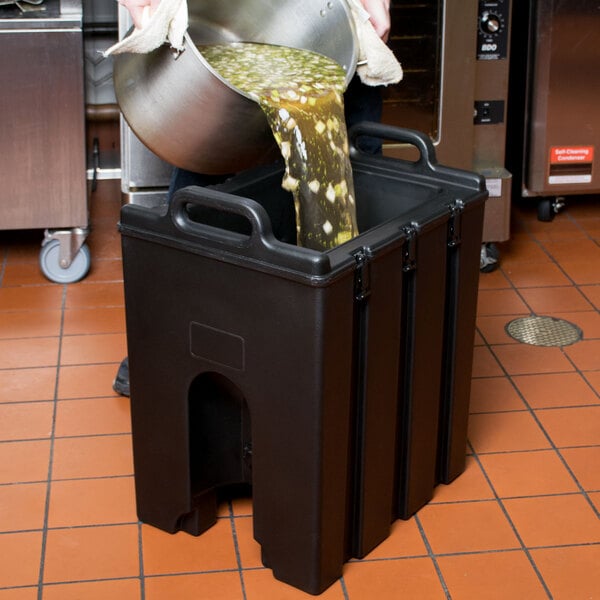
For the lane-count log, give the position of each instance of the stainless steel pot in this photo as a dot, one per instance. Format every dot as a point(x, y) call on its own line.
point(184, 112)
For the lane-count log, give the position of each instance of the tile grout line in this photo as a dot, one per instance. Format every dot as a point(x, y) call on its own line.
point(51, 451)
point(474, 552)
point(142, 575)
point(236, 548)
point(67, 437)
point(344, 588)
point(432, 556)
point(500, 503)
point(526, 497)
point(589, 384)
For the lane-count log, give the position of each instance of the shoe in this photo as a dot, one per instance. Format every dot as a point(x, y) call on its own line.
point(121, 382)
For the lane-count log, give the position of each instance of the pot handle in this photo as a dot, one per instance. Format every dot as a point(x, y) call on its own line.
point(260, 244)
point(427, 160)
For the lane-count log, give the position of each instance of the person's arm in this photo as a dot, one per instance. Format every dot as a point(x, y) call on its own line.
point(379, 12)
point(136, 9)
point(156, 22)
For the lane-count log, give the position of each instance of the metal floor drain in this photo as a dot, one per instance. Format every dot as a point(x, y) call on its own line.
point(544, 331)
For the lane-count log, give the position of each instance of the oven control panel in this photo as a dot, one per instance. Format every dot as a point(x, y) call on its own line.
point(492, 32)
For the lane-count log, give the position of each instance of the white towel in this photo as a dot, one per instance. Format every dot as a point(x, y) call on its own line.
point(168, 24)
point(377, 64)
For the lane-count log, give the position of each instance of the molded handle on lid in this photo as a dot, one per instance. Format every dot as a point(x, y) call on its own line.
point(260, 232)
point(419, 140)
point(427, 163)
point(260, 244)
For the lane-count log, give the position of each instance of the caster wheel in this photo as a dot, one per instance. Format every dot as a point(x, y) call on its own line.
point(488, 260)
point(548, 208)
point(50, 263)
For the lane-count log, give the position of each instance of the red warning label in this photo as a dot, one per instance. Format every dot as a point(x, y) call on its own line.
point(560, 155)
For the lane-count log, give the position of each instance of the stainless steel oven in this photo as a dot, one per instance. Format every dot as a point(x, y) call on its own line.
point(435, 42)
point(455, 55)
point(555, 142)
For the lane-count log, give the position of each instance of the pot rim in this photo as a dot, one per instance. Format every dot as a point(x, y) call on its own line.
point(350, 69)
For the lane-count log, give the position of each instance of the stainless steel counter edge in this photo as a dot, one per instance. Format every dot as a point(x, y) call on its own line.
point(41, 23)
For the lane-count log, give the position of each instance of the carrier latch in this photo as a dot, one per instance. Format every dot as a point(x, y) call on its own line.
point(362, 274)
point(409, 256)
point(454, 223)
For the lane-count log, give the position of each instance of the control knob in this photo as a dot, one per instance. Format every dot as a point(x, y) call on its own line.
point(490, 23)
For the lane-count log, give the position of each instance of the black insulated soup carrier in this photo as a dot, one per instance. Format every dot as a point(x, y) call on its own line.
point(335, 383)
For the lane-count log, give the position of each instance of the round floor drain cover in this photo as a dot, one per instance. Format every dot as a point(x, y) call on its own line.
point(544, 331)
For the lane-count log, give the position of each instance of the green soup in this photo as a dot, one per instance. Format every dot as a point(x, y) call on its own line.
point(301, 94)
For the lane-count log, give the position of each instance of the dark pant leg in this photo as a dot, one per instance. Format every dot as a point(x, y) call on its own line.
point(182, 178)
point(364, 103)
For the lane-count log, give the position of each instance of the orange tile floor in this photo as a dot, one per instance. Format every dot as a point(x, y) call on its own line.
point(522, 522)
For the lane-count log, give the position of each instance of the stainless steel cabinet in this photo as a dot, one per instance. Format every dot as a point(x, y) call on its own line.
point(42, 133)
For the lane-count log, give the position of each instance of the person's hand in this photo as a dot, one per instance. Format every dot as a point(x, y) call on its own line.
point(136, 9)
point(379, 11)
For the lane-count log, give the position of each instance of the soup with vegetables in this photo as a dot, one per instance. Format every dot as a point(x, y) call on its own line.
point(301, 94)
